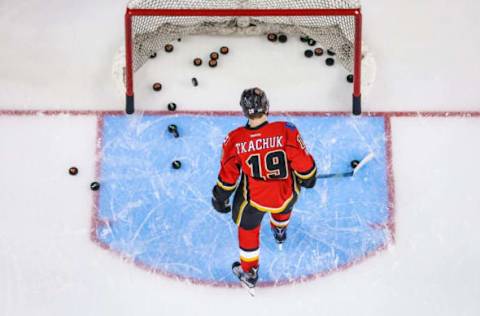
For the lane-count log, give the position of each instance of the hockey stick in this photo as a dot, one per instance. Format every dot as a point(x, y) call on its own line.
point(356, 165)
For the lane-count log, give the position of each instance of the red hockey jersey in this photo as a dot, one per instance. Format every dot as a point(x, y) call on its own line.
point(271, 158)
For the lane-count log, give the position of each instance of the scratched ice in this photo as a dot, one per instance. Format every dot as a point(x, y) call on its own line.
point(162, 218)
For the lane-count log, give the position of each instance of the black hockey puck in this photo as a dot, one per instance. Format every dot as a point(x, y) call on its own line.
point(272, 37)
point(354, 163)
point(330, 52)
point(172, 129)
point(318, 51)
point(214, 55)
point(169, 48)
point(213, 63)
point(172, 106)
point(197, 62)
point(312, 42)
point(329, 61)
point(94, 186)
point(224, 50)
point(73, 171)
point(195, 82)
point(304, 39)
point(350, 78)
point(157, 86)
point(176, 164)
point(282, 38)
point(308, 53)
point(179, 39)
point(153, 55)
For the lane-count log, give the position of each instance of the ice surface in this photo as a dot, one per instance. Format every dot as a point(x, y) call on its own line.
point(162, 218)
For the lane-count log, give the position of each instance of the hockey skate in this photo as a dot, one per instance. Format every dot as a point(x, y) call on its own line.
point(280, 235)
point(247, 279)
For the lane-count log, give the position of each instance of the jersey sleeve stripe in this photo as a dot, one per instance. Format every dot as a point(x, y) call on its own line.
point(306, 175)
point(226, 186)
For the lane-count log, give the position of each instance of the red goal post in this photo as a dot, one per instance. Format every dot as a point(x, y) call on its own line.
point(131, 13)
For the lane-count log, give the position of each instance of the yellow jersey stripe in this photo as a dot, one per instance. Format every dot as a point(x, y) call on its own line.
point(295, 184)
point(271, 209)
point(226, 187)
point(240, 212)
point(306, 176)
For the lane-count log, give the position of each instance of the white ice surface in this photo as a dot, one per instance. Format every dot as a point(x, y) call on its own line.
point(57, 55)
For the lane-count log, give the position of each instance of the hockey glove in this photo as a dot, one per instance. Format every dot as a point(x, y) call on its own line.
point(308, 183)
point(221, 206)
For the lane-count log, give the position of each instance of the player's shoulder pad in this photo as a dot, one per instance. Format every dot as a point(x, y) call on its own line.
point(239, 129)
point(236, 132)
point(290, 126)
point(232, 135)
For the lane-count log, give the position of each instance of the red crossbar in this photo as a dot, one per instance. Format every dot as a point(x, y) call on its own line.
point(242, 12)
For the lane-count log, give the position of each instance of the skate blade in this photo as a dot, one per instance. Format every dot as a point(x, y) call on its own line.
point(280, 247)
point(250, 290)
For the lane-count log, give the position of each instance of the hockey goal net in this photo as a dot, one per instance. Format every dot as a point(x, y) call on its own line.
point(151, 24)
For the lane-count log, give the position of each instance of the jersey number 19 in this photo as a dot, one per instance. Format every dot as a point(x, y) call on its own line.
point(273, 166)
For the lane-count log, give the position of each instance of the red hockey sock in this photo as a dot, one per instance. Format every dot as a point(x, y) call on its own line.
point(249, 242)
point(280, 220)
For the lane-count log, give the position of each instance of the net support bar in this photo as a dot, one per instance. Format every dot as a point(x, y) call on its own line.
point(130, 104)
point(130, 13)
point(357, 71)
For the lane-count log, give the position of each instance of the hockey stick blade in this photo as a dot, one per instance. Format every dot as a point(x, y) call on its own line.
point(363, 162)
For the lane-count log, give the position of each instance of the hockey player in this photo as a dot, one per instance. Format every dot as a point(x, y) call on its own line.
point(272, 162)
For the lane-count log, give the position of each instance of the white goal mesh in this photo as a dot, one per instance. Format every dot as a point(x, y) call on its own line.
point(153, 32)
